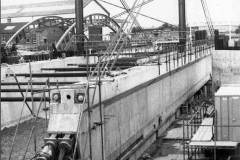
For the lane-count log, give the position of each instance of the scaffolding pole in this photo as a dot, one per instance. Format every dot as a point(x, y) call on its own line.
point(0, 83)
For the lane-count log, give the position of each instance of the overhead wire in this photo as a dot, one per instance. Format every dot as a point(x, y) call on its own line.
point(124, 12)
point(146, 16)
point(134, 21)
point(121, 35)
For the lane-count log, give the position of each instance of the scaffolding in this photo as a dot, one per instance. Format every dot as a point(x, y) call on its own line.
point(200, 139)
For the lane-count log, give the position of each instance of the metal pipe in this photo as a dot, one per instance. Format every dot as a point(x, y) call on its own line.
point(100, 5)
point(118, 63)
point(32, 130)
point(89, 108)
point(0, 82)
point(101, 115)
point(20, 99)
point(79, 69)
point(23, 90)
point(65, 146)
point(33, 107)
point(49, 149)
point(35, 83)
point(47, 153)
point(45, 75)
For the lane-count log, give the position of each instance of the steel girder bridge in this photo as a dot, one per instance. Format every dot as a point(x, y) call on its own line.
point(66, 25)
point(97, 19)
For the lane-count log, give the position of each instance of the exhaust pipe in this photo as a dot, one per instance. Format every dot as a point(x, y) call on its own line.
point(57, 148)
point(65, 147)
point(49, 150)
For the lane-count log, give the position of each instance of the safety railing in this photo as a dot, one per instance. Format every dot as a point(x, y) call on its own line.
point(202, 141)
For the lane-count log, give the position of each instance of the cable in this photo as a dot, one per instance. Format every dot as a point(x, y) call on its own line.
point(124, 12)
point(158, 20)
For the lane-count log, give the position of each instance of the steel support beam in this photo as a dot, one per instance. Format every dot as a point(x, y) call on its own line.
point(0, 82)
point(20, 99)
point(79, 27)
point(46, 75)
point(79, 69)
point(37, 83)
point(103, 8)
point(182, 21)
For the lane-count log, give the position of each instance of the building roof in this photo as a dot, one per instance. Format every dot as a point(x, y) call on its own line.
point(10, 28)
point(164, 27)
point(228, 90)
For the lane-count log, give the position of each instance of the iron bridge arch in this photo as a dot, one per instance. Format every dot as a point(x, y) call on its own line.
point(65, 42)
point(42, 22)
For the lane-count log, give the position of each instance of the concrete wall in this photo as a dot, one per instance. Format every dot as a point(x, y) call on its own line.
point(131, 115)
point(226, 67)
point(10, 112)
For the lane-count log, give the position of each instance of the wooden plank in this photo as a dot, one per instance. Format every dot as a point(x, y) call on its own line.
point(213, 144)
point(204, 132)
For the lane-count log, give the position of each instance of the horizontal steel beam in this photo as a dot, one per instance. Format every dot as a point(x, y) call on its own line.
point(36, 83)
point(117, 64)
point(79, 69)
point(46, 75)
point(23, 90)
point(20, 99)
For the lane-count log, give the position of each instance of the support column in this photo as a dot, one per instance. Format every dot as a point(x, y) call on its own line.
point(182, 21)
point(79, 27)
point(0, 82)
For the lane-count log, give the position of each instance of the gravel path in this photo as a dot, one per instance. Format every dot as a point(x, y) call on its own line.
point(22, 139)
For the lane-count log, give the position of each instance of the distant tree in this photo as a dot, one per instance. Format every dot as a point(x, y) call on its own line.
point(167, 26)
point(237, 30)
point(136, 29)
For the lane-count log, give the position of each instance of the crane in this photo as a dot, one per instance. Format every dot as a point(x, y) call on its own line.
point(207, 17)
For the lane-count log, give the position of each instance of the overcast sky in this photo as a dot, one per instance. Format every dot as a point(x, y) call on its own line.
point(222, 11)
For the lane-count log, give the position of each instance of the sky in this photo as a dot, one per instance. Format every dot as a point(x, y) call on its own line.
point(221, 11)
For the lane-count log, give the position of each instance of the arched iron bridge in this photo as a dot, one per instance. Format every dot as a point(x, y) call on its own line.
point(66, 40)
point(40, 23)
point(98, 19)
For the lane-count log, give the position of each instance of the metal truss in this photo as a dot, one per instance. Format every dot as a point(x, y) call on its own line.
point(97, 19)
